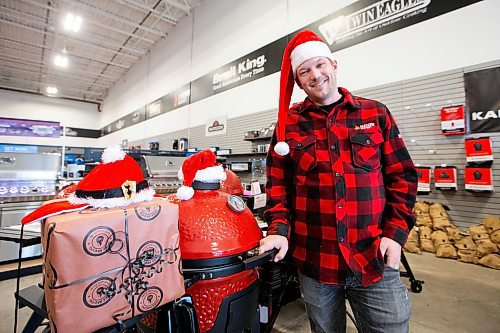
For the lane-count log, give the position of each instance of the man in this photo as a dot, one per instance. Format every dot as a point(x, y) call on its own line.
point(341, 187)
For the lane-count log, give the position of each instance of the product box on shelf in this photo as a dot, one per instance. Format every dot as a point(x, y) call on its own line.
point(106, 265)
point(479, 150)
point(479, 179)
point(424, 179)
point(445, 177)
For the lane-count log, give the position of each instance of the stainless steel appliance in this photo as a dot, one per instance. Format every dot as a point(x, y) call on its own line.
point(28, 176)
point(161, 172)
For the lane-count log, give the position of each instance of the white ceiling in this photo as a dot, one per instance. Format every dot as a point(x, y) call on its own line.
point(114, 35)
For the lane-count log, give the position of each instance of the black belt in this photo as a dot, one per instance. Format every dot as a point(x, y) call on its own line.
point(116, 192)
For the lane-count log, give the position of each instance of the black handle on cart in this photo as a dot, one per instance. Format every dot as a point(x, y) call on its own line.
point(260, 259)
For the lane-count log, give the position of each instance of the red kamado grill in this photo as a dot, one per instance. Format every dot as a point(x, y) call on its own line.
point(219, 237)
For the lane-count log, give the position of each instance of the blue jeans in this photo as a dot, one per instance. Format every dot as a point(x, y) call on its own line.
point(381, 307)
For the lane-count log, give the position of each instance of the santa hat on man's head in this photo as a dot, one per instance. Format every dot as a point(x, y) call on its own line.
point(199, 167)
point(117, 181)
point(303, 46)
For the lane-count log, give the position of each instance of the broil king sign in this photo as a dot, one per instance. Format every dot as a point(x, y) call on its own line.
point(483, 100)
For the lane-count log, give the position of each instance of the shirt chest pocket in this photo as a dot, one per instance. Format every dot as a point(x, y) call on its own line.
point(303, 152)
point(365, 148)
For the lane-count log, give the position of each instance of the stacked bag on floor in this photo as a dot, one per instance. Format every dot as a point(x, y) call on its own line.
point(486, 236)
point(436, 234)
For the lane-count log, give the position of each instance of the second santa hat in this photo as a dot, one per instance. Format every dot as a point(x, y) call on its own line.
point(303, 46)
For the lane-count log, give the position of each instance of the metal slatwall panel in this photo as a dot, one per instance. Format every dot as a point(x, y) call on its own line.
point(416, 105)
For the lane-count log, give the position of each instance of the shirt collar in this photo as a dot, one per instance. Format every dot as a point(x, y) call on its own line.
point(348, 101)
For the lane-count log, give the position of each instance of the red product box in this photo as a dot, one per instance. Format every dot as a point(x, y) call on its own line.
point(424, 180)
point(445, 177)
point(478, 150)
point(453, 120)
point(479, 179)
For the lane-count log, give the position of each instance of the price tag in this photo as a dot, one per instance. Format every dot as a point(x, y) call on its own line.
point(259, 201)
point(255, 187)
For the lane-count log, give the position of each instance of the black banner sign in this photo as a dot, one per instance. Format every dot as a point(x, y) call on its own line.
point(482, 93)
point(368, 19)
point(354, 24)
point(253, 66)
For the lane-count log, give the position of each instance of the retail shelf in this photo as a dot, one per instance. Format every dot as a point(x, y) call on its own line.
point(242, 154)
point(259, 138)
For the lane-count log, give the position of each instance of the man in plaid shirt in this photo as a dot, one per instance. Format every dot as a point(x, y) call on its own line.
point(341, 187)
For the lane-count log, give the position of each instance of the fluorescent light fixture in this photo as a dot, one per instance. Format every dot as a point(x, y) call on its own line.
point(72, 22)
point(52, 90)
point(61, 61)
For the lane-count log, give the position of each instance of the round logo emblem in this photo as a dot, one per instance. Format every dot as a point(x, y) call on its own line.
point(147, 213)
point(150, 252)
point(95, 294)
point(98, 240)
point(149, 299)
point(236, 203)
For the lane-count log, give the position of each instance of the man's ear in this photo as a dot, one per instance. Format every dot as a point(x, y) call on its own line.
point(334, 64)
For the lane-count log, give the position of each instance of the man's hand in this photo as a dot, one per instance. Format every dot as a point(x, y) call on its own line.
point(274, 242)
point(393, 251)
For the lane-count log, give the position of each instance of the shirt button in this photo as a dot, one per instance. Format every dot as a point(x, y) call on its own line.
point(341, 239)
point(340, 206)
point(332, 147)
point(330, 120)
point(299, 144)
point(368, 142)
point(337, 174)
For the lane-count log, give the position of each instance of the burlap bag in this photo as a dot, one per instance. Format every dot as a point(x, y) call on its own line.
point(421, 211)
point(454, 234)
point(478, 232)
point(440, 219)
point(426, 243)
point(467, 250)
point(412, 244)
point(443, 246)
point(492, 225)
point(485, 247)
point(491, 260)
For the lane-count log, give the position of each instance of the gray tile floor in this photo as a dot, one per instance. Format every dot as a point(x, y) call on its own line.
point(457, 297)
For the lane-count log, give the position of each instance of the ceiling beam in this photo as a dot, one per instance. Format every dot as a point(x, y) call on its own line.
point(181, 6)
point(75, 40)
point(66, 70)
point(55, 76)
point(113, 16)
point(36, 92)
point(40, 21)
point(44, 85)
point(70, 54)
point(162, 16)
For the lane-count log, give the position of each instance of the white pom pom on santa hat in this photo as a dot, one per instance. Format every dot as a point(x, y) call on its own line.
point(185, 193)
point(112, 154)
point(282, 148)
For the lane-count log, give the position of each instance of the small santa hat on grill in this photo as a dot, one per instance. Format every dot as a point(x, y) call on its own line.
point(117, 181)
point(199, 167)
point(303, 46)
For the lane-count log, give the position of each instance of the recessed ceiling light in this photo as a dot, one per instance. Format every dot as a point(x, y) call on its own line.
point(61, 60)
point(52, 90)
point(72, 22)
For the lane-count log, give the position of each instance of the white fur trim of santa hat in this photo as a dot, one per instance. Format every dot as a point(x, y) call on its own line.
point(308, 50)
point(142, 196)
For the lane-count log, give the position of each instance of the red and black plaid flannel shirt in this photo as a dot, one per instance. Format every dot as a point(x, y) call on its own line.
point(347, 181)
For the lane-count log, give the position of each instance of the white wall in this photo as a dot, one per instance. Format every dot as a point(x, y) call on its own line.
point(35, 107)
point(220, 31)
